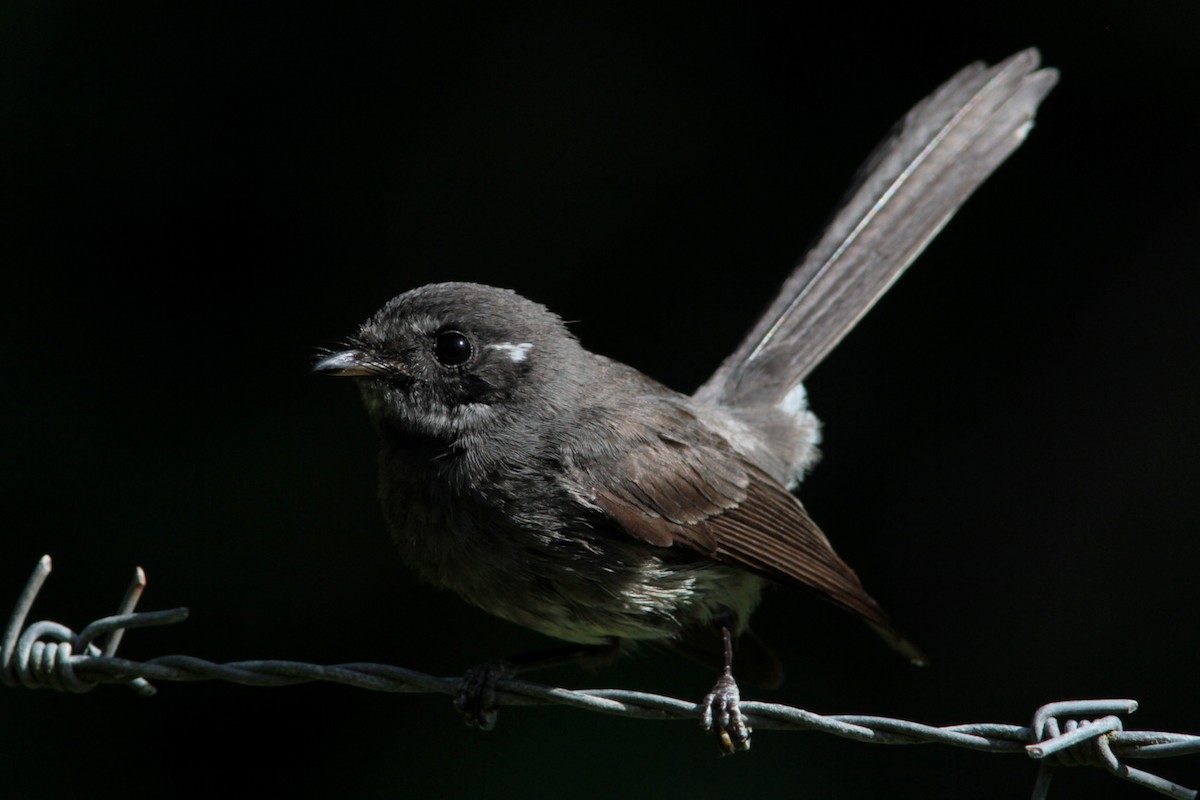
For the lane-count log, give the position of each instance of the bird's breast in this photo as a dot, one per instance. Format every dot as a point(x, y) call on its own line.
point(563, 573)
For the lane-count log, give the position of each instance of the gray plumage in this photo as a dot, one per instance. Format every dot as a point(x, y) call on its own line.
point(910, 187)
point(574, 495)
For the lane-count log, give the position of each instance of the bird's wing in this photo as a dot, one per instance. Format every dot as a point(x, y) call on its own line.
point(680, 485)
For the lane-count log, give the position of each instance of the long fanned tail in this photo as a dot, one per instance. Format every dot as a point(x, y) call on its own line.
point(943, 149)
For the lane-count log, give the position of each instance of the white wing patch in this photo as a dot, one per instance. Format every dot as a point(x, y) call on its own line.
point(516, 352)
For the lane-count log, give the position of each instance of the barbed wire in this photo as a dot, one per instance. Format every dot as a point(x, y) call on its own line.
point(1066, 733)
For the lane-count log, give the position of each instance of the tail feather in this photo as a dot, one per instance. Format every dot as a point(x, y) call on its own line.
point(935, 157)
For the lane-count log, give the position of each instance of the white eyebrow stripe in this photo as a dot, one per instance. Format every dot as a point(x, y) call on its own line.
point(516, 352)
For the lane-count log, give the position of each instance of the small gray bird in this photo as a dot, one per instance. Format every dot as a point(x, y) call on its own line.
point(571, 494)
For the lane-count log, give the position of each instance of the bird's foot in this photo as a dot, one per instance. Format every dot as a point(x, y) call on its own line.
point(476, 698)
point(723, 715)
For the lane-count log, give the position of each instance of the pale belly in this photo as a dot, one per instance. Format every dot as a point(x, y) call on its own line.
point(582, 585)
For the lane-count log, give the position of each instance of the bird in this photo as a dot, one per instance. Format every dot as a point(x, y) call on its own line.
point(571, 494)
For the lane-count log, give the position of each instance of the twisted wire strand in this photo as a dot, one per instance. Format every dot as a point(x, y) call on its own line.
point(1066, 733)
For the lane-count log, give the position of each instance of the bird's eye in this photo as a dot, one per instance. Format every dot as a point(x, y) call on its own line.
point(451, 348)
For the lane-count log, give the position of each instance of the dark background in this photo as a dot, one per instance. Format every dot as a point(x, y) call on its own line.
point(195, 199)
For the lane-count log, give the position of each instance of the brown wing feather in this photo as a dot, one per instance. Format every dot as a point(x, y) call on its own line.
point(691, 489)
point(754, 522)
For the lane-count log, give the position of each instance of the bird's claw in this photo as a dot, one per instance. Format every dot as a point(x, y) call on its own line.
point(723, 716)
point(476, 698)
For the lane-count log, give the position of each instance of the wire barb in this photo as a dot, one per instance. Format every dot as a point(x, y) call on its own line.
point(1089, 742)
point(48, 655)
point(1067, 733)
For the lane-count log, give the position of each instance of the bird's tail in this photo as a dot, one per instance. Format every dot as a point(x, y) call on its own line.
point(912, 184)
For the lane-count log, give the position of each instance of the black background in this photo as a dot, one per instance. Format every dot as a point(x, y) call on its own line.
point(196, 198)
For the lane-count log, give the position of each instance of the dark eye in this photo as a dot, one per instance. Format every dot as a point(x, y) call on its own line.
point(452, 348)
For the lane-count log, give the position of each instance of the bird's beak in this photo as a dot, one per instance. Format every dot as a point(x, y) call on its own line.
point(352, 363)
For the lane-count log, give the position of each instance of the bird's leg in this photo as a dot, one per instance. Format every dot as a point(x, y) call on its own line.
point(722, 711)
point(476, 698)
